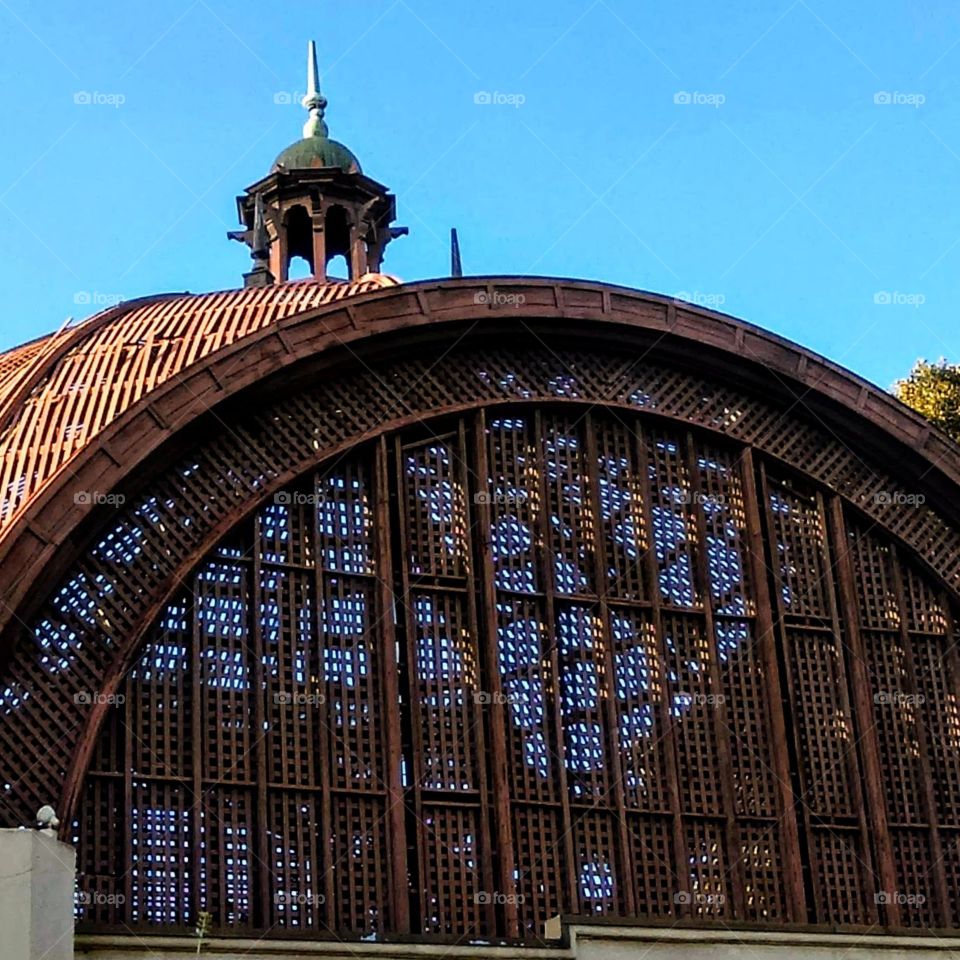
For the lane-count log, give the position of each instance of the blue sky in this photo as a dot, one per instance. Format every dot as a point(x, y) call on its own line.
point(737, 154)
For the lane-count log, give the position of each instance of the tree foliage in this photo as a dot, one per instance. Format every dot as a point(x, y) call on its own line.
point(933, 389)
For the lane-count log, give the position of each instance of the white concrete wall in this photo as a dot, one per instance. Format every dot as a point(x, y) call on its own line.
point(597, 942)
point(102, 947)
point(581, 941)
point(36, 896)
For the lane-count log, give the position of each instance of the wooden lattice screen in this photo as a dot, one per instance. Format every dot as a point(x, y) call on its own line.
point(536, 661)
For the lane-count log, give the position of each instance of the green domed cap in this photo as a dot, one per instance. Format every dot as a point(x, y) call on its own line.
point(313, 152)
point(316, 150)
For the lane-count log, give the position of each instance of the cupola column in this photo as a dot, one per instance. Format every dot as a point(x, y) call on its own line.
point(278, 256)
point(358, 252)
point(375, 245)
point(318, 220)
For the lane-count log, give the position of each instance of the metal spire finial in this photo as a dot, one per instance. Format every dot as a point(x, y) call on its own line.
point(314, 101)
point(456, 265)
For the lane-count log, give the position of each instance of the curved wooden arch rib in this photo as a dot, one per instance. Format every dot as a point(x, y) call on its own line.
point(50, 521)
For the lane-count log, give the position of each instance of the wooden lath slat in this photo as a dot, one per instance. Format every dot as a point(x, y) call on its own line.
point(119, 357)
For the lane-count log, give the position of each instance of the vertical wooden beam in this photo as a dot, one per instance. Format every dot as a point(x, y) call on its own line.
point(664, 718)
point(862, 712)
point(701, 575)
point(937, 869)
point(486, 844)
point(126, 758)
point(416, 767)
point(791, 699)
point(261, 842)
point(199, 742)
point(767, 641)
point(331, 911)
point(498, 709)
point(548, 573)
point(386, 609)
point(950, 662)
point(589, 479)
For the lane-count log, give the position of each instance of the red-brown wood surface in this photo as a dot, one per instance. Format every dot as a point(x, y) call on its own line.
point(328, 659)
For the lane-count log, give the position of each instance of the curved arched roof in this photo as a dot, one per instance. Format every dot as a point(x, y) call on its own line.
point(674, 361)
point(96, 400)
point(59, 392)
